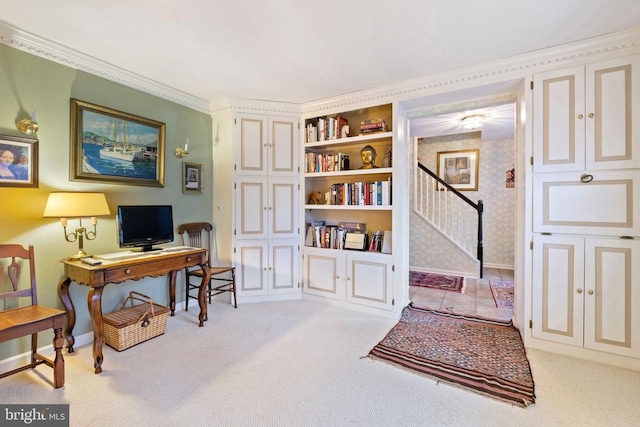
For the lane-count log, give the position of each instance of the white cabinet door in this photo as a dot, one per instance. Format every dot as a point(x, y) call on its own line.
point(613, 114)
point(266, 207)
point(585, 117)
point(612, 296)
point(558, 288)
point(251, 267)
point(284, 266)
point(369, 279)
point(324, 273)
point(267, 268)
point(598, 203)
point(558, 127)
point(586, 292)
point(266, 145)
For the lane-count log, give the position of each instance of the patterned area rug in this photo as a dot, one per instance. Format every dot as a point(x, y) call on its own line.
point(436, 281)
point(502, 293)
point(481, 355)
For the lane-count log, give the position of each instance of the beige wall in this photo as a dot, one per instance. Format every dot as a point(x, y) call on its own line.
point(26, 80)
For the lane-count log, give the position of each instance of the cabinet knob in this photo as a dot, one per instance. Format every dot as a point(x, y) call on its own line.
point(270, 268)
point(265, 208)
point(586, 178)
point(590, 291)
point(269, 207)
point(580, 116)
point(127, 271)
point(264, 268)
point(337, 277)
point(188, 259)
point(591, 115)
point(579, 290)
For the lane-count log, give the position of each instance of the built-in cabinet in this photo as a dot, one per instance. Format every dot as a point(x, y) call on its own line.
point(586, 292)
point(266, 199)
point(586, 215)
point(347, 195)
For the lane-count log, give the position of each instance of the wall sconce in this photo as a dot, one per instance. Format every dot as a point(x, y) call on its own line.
point(65, 205)
point(472, 122)
point(180, 152)
point(28, 126)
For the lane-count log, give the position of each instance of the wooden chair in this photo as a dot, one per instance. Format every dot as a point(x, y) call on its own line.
point(21, 321)
point(203, 235)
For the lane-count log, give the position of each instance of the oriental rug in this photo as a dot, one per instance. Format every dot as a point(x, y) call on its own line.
point(502, 293)
point(481, 355)
point(436, 281)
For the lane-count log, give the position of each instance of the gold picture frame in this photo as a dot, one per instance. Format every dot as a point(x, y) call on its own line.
point(112, 146)
point(19, 162)
point(459, 169)
point(192, 180)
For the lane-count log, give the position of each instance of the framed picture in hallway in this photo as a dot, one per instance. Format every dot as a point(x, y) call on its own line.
point(459, 169)
point(192, 178)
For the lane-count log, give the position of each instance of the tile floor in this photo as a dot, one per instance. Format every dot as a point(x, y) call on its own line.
point(476, 298)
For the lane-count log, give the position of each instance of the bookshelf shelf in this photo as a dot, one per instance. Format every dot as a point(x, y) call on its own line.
point(356, 172)
point(349, 207)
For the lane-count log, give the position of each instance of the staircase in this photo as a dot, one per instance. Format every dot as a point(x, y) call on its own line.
point(449, 212)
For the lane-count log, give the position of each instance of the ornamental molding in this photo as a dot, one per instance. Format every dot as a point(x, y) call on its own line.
point(38, 46)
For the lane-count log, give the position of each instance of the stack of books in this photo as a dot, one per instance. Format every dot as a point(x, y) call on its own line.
point(372, 126)
point(326, 129)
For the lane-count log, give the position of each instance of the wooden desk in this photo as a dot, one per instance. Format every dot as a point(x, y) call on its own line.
point(152, 264)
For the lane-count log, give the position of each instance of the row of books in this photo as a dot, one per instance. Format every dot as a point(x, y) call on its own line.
point(325, 162)
point(372, 126)
point(376, 193)
point(334, 237)
point(326, 129)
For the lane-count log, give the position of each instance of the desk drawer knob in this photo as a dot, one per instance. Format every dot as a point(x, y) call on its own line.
point(188, 259)
point(128, 271)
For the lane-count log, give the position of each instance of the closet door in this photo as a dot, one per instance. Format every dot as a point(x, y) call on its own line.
point(558, 289)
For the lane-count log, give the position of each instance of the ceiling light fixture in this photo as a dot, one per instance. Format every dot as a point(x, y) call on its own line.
point(472, 122)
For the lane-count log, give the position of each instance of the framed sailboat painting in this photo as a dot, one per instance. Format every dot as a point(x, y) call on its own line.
point(115, 147)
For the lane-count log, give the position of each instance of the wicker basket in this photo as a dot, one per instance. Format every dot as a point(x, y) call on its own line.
point(130, 326)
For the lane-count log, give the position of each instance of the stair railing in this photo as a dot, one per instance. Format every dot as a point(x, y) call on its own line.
point(450, 212)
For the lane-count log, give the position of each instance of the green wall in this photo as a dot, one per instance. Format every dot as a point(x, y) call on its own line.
point(26, 80)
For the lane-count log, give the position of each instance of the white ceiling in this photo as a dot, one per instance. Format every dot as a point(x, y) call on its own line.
point(302, 50)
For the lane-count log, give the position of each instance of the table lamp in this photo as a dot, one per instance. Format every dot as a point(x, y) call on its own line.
point(79, 205)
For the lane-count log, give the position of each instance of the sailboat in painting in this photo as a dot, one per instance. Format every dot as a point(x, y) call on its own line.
point(123, 151)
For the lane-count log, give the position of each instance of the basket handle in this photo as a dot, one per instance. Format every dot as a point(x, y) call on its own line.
point(133, 295)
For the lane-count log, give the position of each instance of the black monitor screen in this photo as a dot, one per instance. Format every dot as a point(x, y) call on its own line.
point(144, 226)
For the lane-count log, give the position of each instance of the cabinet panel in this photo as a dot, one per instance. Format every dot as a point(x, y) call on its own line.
point(559, 120)
point(612, 296)
point(251, 207)
point(283, 207)
point(323, 273)
point(251, 261)
point(606, 205)
point(369, 280)
point(611, 115)
point(283, 266)
point(252, 145)
point(283, 133)
point(558, 277)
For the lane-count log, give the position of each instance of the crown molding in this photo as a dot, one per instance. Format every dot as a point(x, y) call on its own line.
point(38, 46)
point(236, 105)
point(515, 67)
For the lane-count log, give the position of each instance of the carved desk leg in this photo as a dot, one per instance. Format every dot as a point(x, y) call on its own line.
point(202, 294)
point(172, 291)
point(95, 311)
point(63, 294)
point(58, 362)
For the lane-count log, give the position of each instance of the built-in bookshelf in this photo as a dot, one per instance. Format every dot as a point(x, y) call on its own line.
point(337, 188)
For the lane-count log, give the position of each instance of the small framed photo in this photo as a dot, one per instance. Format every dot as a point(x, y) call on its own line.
point(192, 178)
point(18, 162)
point(459, 169)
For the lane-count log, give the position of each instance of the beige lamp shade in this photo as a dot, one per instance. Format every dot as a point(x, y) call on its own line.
point(76, 205)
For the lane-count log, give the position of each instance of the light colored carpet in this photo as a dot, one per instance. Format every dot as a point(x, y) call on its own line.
point(300, 363)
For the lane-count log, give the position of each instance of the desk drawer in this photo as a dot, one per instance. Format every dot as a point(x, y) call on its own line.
point(159, 267)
